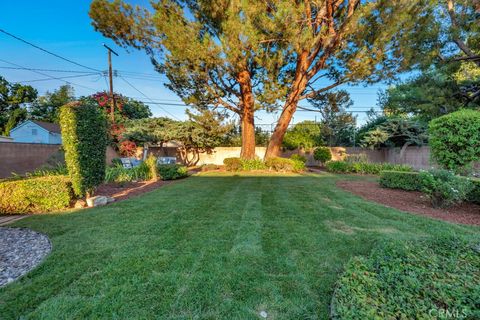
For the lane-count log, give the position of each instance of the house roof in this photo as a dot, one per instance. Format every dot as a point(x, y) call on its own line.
point(50, 127)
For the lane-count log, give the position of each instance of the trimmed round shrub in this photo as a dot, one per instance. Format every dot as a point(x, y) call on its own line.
point(444, 188)
point(84, 138)
point(280, 164)
point(232, 164)
point(252, 164)
point(35, 195)
point(322, 154)
point(411, 280)
point(455, 139)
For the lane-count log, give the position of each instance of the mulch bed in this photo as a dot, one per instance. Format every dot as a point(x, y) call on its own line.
point(122, 191)
point(412, 201)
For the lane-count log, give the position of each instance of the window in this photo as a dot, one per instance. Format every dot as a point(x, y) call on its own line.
point(34, 132)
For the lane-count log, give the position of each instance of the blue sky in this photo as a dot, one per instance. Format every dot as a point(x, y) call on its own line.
point(63, 27)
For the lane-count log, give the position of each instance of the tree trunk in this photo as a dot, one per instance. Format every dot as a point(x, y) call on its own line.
point(298, 86)
point(248, 136)
point(247, 116)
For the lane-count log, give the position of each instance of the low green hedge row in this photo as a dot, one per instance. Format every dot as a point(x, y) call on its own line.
point(410, 181)
point(413, 181)
point(295, 163)
point(364, 167)
point(411, 280)
point(35, 195)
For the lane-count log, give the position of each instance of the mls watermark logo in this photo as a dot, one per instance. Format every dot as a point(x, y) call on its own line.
point(445, 313)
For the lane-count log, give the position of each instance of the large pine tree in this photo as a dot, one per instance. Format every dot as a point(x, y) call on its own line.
point(249, 55)
point(212, 52)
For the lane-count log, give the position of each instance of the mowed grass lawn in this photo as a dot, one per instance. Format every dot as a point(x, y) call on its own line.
point(213, 246)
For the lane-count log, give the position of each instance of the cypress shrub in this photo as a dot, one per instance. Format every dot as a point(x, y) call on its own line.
point(84, 135)
point(35, 195)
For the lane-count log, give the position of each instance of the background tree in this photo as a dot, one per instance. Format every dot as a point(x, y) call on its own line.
point(12, 97)
point(214, 53)
point(396, 132)
point(329, 43)
point(431, 94)
point(306, 134)
point(47, 107)
point(338, 125)
point(201, 133)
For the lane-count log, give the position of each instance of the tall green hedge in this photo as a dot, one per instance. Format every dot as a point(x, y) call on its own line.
point(455, 139)
point(84, 135)
point(35, 195)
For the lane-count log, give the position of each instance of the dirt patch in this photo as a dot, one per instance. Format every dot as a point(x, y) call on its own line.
point(412, 201)
point(122, 191)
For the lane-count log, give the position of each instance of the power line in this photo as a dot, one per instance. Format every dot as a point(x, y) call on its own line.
point(58, 78)
point(49, 52)
point(143, 94)
point(50, 70)
point(51, 77)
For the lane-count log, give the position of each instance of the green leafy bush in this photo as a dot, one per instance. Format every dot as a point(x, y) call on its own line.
point(322, 154)
point(455, 138)
point(338, 167)
point(232, 164)
point(35, 195)
point(281, 164)
point(474, 194)
point(364, 167)
point(252, 164)
point(411, 280)
point(172, 171)
point(298, 165)
point(410, 181)
point(84, 136)
point(120, 174)
point(298, 157)
point(444, 188)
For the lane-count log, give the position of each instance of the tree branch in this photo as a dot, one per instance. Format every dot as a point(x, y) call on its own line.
point(314, 93)
point(459, 42)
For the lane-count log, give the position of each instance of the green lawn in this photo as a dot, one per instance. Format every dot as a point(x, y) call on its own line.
point(213, 246)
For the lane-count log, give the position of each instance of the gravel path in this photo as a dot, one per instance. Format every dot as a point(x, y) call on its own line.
point(20, 251)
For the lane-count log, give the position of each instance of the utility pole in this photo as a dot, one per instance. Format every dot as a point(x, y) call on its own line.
point(110, 74)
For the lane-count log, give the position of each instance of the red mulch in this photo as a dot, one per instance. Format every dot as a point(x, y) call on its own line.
point(122, 191)
point(412, 201)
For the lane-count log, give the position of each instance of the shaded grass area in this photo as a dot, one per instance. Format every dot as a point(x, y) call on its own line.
point(214, 246)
